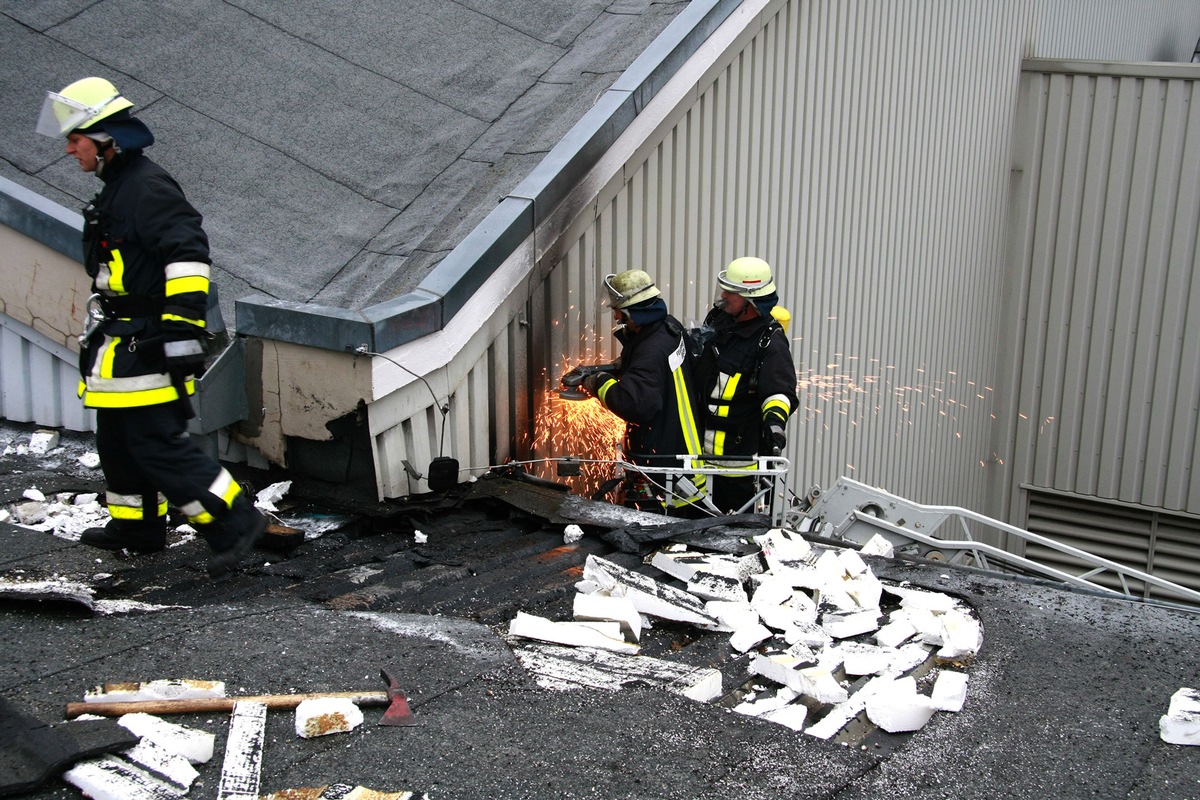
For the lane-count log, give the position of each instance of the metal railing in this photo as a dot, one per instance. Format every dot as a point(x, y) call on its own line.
point(854, 512)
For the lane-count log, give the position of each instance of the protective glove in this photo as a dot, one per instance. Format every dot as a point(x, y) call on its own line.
point(186, 354)
point(592, 383)
point(773, 441)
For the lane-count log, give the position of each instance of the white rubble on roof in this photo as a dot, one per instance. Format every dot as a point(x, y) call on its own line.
point(321, 716)
point(810, 617)
point(42, 442)
point(241, 770)
point(949, 691)
point(878, 545)
point(561, 668)
point(572, 533)
point(266, 499)
point(158, 767)
point(162, 689)
point(897, 707)
point(191, 743)
point(599, 608)
point(1181, 723)
point(648, 595)
point(602, 635)
point(65, 515)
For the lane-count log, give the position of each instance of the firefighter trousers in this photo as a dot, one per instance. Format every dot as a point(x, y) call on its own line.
point(149, 460)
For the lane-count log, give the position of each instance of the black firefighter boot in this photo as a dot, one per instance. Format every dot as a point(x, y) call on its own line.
point(234, 535)
point(118, 535)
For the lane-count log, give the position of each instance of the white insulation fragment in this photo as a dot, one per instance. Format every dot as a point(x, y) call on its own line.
point(191, 743)
point(1181, 723)
point(565, 668)
point(112, 778)
point(579, 634)
point(184, 689)
point(321, 716)
point(241, 770)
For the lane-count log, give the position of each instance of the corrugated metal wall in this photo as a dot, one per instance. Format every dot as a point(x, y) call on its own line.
point(1108, 221)
point(39, 379)
point(865, 150)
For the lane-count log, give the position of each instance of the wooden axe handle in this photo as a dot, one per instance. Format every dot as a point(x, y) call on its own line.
point(190, 705)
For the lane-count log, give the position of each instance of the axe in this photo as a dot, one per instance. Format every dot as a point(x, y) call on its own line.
point(397, 713)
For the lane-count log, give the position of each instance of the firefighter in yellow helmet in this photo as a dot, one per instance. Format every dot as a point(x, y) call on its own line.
point(146, 342)
point(745, 375)
point(650, 387)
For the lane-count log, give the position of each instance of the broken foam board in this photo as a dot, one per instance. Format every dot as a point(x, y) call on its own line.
point(648, 595)
point(191, 743)
point(578, 634)
point(241, 770)
point(597, 607)
point(1181, 723)
point(114, 778)
point(183, 689)
point(562, 668)
point(321, 716)
point(341, 791)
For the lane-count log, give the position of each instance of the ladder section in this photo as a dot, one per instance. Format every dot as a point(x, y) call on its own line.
point(855, 512)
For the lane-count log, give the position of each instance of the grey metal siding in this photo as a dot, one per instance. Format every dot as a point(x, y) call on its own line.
point(865, 150)
point(1109, 376)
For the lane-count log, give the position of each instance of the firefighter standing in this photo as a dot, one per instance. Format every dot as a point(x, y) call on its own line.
point(650, 389)
point(147, 255)
point(745, 376)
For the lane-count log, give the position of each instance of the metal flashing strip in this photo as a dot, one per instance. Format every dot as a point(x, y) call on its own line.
point(42, 220)
point(1116, 69)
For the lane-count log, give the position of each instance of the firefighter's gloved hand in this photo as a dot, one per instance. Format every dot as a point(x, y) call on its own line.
point(773, 441)
point(185, 354)
point(592, 383)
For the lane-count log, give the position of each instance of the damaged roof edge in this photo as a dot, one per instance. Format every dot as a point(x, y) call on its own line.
point(455, 279)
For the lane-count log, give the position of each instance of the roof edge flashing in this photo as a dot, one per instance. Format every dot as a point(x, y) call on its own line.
point(41, 219)
point(326, 327)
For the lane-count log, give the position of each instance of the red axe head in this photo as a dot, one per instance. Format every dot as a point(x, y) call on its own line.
point(397, 712)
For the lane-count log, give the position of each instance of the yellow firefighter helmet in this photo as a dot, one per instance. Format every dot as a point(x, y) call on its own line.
point(78, 106)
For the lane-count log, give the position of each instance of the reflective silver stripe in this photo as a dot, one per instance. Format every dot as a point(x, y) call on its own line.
point(183, 347)
point(192, 509)
point(131, 500)
point(225, 487)
point(188, 269)
point(135, 383)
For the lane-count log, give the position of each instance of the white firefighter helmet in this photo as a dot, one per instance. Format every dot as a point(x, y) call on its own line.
point(629, 288)
point(80, 105)
point(747, 276)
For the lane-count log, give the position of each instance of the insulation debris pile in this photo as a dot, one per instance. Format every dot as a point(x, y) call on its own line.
point(824, 640)
point(160, 765)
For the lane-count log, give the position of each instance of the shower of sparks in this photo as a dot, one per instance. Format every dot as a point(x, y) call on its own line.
point(584, 429)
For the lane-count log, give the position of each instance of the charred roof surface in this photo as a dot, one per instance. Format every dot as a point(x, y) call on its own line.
point(1064, 695)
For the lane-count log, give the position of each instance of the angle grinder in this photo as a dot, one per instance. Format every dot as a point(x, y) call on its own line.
point(572, 382)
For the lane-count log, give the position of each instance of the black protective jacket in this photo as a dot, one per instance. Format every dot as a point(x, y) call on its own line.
point(747, 380)
point(652, 393)
point(147, 255)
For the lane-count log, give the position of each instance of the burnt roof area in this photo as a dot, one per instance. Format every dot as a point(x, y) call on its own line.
point(1064, 695)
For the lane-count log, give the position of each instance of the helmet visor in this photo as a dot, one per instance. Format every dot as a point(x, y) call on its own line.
point(61, 115)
